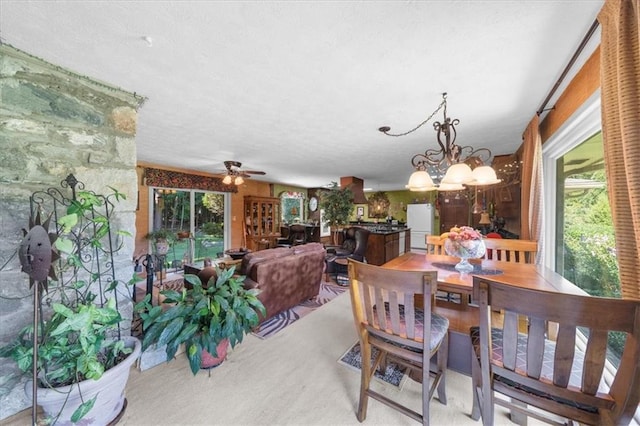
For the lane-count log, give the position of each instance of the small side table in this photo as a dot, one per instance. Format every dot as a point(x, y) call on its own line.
point(342, 272)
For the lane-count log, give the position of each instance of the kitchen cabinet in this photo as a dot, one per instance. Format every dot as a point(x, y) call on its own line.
point(385, 246)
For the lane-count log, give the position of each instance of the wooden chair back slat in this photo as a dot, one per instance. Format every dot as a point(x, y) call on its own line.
point(565, 351)
point(382, 317)
point(535, 347)
point(394, 312)
point(435, 244)
point(573, 386)
point(595, 357)
point(514, 251)
point(510, 340)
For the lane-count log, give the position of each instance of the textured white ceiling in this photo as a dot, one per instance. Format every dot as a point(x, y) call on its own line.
point(299, 89)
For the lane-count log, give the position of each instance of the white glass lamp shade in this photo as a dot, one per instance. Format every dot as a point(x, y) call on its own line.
point(227, 180)
point(458, 173)
point(450, 187)
point(420, 181)
point(239, 180)
point(483, 175)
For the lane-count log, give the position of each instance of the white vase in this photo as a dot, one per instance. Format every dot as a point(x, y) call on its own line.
point(110, 389)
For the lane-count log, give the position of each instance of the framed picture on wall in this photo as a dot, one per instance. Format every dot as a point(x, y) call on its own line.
point(325, 229)
point(360, 211)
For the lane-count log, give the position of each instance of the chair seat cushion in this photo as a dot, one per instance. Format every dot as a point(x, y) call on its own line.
point(439, 325)
point(575, 378)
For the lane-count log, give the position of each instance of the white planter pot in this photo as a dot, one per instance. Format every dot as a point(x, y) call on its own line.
point(110, 389)
point(162, 246)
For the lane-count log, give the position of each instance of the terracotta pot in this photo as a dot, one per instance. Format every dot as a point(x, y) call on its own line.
point(209, 361)
point(109, 388)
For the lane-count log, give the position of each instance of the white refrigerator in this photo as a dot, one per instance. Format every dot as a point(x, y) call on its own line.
point(420, 220)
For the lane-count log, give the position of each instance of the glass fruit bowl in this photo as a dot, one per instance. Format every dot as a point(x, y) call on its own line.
point(465, 250)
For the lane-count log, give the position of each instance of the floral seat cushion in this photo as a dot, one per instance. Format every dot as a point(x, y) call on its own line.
point(439, 325)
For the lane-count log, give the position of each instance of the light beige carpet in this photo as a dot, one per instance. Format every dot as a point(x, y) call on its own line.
point(292, 378)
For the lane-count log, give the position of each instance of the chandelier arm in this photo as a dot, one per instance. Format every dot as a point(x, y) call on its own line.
point(385, 129)
point(432, 157)
point(467, 152)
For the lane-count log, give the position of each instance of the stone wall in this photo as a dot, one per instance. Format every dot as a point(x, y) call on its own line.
point(54, 122)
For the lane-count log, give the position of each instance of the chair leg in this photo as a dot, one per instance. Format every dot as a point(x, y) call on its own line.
point(382, 366)
point(476, 385)
point(487, 402)
point(518, 417)
point(442, 358)
point(365, 377)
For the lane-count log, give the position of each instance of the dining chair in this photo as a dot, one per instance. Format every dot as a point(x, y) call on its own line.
point(392, 311)
point(435, 244)
point(508, 250)
point(565, 376)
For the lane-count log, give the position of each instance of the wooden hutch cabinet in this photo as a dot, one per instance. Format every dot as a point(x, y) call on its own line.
point(262, 222)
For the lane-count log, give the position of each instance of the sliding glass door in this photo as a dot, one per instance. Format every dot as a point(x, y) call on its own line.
point(579, 236)
point(195, 220)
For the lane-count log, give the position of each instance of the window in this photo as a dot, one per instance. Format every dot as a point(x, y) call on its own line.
point(292, 207)
point(197, 220)
point(579, 235)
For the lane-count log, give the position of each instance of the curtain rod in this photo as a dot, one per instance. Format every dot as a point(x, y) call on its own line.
point(581, 47)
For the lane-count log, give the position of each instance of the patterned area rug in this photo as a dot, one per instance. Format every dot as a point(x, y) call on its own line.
point(394, 374)
point(328, 291)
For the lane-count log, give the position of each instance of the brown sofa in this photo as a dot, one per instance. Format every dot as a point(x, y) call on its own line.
point(286, 276)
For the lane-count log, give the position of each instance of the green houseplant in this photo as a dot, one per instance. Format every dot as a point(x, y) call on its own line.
point(337, 204)
point(162, 239)
point(202, 318)
point(82, 361)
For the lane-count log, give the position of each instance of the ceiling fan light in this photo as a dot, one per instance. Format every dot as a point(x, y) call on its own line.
point(458, 173)
point(484, 175)
point(239, 180)
point(420, 181)
point(227, 180)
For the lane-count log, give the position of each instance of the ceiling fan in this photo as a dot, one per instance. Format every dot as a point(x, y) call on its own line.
point(235, 174)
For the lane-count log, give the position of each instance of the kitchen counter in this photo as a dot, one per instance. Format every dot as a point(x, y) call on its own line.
point(384, 245)
point(380, 228)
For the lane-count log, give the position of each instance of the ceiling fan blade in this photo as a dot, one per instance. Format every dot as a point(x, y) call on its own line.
point(254, 172)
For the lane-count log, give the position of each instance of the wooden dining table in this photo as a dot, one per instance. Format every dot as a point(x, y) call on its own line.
point(456, 297)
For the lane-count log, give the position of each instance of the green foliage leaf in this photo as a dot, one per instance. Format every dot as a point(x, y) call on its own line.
point(83, 409)
point(171, 330)
point(64, 245)
point(68, 221)
point(117, 194)
point(194, 353)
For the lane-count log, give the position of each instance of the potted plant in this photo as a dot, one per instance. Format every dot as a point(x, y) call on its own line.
point(205, 319)
point(337, 204)
point(78, 357)
point(82, 368)
point(162, 239)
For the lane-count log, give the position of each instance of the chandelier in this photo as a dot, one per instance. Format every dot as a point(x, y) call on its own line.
point(450, 165)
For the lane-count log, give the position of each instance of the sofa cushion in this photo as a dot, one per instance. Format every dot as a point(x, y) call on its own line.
point(250, 260)
point(305, 248)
